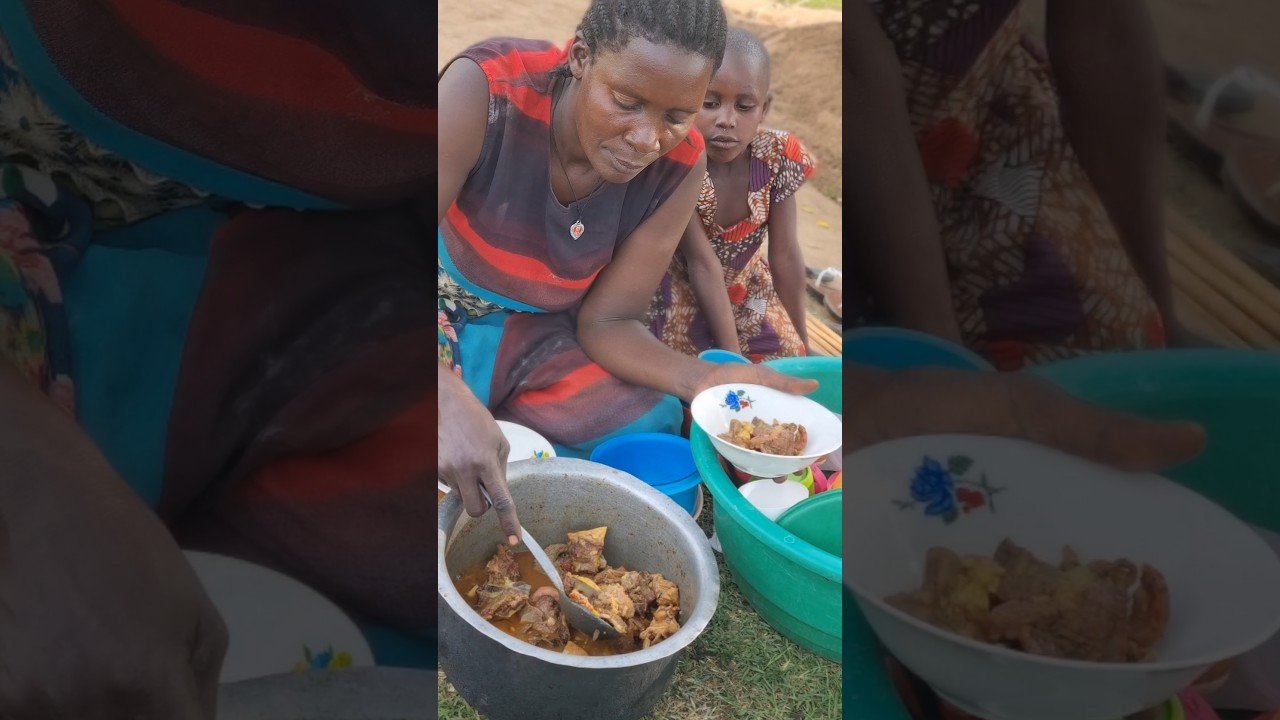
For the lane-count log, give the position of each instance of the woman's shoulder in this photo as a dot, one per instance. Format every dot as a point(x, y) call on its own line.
point(514, 61)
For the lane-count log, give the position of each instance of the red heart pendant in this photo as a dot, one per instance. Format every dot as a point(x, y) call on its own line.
point(576, 229)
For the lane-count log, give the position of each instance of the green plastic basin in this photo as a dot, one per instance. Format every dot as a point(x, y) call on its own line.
point(1234, 394)
point(795, 586)
point(818, 521)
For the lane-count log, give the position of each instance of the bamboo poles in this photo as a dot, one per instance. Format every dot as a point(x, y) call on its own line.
point(1221, 295)
point(822, 339)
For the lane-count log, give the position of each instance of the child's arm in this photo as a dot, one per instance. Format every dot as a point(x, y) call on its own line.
point(786, 263)
point(889, 210)
point(706, 275)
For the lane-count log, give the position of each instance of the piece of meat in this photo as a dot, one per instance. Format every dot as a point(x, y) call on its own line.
point(773, 437)
point(613, 604)
point(942, 571)
point(624, 643)
point(1074, 610)
point(610, 575)
point(1008, 621)
point(663, 626)
point(542, 622)
point(576, 596)
point(560, 557)
point(1025, 575)
point(666, 593)
point(586, 550)
point(499, 602)
point(639, 587)
point(1088, 621)
point(1122, 573)
point(1149, 617)
point(502, 568)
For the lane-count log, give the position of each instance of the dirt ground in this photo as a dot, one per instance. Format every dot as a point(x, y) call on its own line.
point(805, 48)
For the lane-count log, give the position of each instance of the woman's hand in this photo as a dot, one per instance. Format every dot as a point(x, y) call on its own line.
point(101, 616)
point(730, 373)
point(885, 406)
point(104, 618)
point(473, 454)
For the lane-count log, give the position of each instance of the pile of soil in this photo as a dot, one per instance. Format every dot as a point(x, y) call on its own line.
point(807, 87)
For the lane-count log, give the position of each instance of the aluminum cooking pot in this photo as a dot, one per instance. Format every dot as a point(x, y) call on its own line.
point(508, 679)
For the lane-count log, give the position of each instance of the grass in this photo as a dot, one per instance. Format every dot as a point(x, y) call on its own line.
point(822, 4)
point(738, 669)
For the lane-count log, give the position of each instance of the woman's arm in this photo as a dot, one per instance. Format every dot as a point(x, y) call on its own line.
point(84, 563)
point(464, 92)
point(706, 275)
point(786, 263)
point(473, 451)
point(1111, 83)
point(890, 218)
point(926, 401)
point(611, 323)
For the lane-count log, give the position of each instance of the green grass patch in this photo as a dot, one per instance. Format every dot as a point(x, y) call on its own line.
point(738, 669)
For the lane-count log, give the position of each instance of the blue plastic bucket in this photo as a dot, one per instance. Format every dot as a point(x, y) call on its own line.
point(717, 355)
point(662, 460)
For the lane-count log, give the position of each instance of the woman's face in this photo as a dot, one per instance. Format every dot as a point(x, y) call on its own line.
point(635, 104)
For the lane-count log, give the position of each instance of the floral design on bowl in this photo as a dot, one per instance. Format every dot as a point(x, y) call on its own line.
point(736, 400)
point(327, 660)
point(946, 492)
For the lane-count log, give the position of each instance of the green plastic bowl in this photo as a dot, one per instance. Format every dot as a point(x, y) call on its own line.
point(771, 566)
point(1234, 394)
point(818, 521)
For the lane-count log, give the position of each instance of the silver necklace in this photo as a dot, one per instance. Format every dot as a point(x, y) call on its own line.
point(577, 228)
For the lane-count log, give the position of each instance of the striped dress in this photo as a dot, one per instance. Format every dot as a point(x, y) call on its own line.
point(511, 276)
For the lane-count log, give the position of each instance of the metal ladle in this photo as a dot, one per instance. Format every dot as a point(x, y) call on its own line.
point(578, 617)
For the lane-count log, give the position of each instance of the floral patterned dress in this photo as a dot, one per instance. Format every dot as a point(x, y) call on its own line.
point(56, 188)
point(779, 166)
point(1037, 270)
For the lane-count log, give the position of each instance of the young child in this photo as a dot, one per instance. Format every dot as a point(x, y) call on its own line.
point(722, 290)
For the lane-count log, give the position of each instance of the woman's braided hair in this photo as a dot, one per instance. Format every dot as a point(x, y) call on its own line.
point(696, 26)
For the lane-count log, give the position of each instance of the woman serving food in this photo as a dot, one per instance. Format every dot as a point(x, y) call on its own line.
point(567, 176)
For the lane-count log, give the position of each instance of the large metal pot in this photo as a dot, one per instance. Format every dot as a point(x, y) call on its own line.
point(508, 679)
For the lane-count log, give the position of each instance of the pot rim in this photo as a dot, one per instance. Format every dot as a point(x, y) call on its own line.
point(703, 562)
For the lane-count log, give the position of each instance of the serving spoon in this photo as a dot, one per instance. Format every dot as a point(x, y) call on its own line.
point(578, 617)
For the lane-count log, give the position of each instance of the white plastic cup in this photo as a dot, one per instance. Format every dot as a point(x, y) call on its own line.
point(774, 498)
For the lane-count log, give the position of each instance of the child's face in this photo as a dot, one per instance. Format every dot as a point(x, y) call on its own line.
point(736, 102)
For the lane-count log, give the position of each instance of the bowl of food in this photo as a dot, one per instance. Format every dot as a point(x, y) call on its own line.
point(769, 565)
point(637, 557)
point(1020, 582)
point(765, 432)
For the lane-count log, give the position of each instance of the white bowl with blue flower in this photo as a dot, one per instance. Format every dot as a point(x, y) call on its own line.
point(715, 407)
point(968, 493)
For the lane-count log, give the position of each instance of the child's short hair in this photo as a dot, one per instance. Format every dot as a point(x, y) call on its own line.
point(750, 45)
